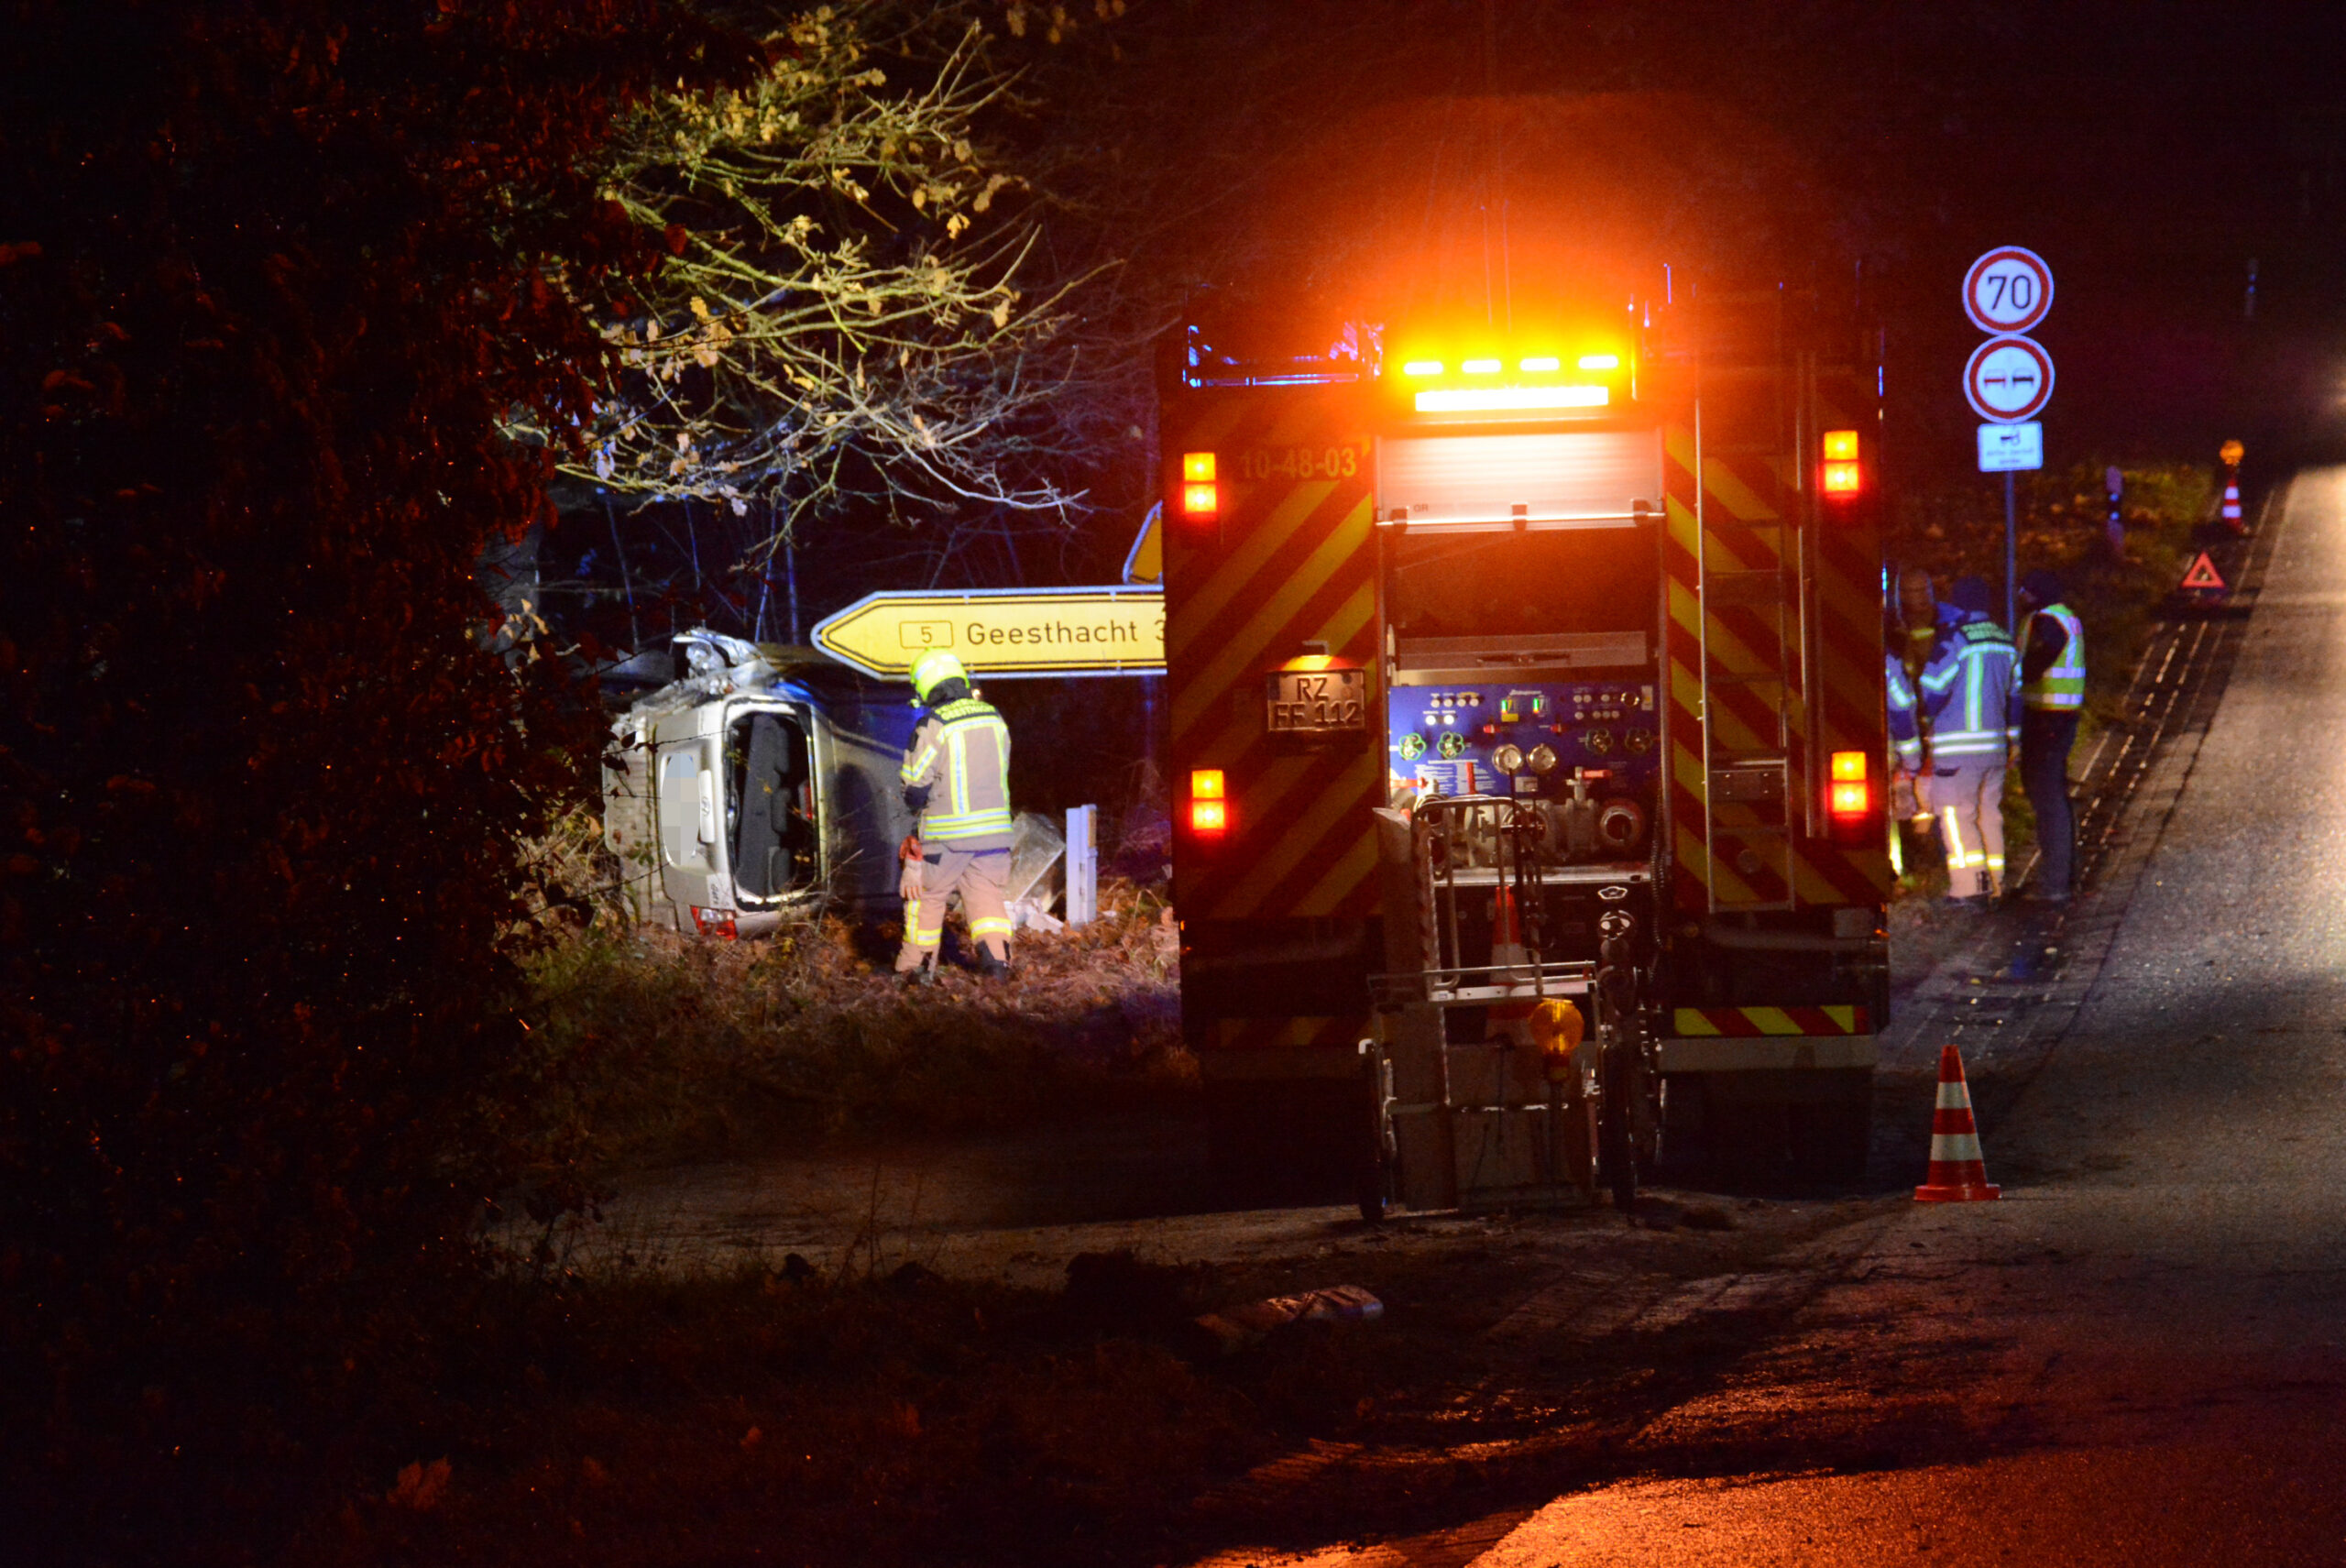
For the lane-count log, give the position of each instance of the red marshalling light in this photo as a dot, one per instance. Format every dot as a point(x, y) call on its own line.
point(1209, 812)
point(1852, 794)
point(1841, 475)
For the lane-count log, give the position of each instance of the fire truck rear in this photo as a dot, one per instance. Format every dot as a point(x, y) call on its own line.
point(1528, 729)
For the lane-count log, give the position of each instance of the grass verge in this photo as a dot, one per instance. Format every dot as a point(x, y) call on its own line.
point(2061, 525)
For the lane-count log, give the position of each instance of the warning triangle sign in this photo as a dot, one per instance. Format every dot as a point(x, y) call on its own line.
point(2202, 575)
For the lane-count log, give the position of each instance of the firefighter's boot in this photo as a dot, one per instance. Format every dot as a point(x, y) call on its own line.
point(990, 967)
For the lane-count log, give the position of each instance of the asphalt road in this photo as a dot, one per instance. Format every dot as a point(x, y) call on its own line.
point(2139, 1356)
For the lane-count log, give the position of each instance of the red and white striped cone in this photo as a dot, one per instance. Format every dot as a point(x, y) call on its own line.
point(1957, 1173)
point(2231, 505)
point(1510, 958)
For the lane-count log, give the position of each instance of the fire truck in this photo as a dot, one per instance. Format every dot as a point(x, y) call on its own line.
point(1525, 696)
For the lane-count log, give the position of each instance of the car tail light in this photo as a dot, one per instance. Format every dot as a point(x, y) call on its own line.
point(715, 923)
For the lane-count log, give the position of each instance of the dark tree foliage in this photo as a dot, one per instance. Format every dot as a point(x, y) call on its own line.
point(260, 313)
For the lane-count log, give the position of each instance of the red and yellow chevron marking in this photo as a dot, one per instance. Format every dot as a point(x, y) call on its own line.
point(1288, 1033)
point(1750, 1023)
point(1289, 561)
point(1740, 518)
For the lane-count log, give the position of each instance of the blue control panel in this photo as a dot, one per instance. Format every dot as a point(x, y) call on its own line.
point(1526, 741)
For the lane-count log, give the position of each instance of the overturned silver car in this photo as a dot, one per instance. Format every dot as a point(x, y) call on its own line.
point(760, 783)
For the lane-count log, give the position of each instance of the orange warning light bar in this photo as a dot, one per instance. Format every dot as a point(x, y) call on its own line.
point(1468, 400)
point(1197, 468)
point(1841, 446)
point(1423, 367)
point(1205, 783)
point(1849, 765)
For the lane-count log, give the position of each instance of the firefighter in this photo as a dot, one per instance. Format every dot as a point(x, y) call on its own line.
point(1906, 757)
point(1918, 615)
point(1970, 694)
point(2053, 694)
point(956, 779)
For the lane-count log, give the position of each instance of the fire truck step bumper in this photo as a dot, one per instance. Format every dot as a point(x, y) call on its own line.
point(1794, 1053)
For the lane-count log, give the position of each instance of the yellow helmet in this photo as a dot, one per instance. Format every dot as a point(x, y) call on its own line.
point(934, 666)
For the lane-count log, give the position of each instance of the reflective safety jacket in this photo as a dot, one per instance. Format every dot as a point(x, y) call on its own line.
point(2061, 687)
point(1905, 718)
point(956, 775)
point(1970, 693)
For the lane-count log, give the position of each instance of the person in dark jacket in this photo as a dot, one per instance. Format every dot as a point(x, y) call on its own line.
point(2053, 695)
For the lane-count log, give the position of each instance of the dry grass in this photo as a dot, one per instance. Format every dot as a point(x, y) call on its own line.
point(652, 1047)
point(2061, 518)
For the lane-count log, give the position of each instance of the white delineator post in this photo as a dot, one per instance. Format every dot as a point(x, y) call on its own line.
point(1083, 864)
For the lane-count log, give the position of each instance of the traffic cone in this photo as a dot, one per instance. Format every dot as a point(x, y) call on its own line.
point(1510, 957)
point(2231, 505)
point(1957, 1174)
point(1510, 966)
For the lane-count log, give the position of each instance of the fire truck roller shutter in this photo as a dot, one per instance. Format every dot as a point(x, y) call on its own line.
point(1583, 478)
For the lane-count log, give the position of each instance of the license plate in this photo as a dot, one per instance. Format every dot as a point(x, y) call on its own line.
point(1317, 702)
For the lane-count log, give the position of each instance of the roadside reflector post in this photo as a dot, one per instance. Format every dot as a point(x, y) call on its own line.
point(1083, 864)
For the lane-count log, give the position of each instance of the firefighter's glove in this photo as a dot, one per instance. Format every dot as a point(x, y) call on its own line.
point(910, 849)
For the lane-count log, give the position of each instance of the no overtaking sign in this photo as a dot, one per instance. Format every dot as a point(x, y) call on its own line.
point(2009, 378)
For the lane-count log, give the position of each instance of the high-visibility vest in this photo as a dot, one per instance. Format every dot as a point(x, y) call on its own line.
point(1905, 726)
point(2062, 687)
point(960, 754)
point(1972, 694)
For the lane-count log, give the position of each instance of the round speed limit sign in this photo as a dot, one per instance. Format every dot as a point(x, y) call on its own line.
point(2008, 290)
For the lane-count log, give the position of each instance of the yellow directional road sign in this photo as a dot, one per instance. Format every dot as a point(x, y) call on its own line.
point(1144, 563)
point(1005, 631)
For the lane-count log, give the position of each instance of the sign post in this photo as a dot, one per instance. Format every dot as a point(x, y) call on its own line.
point(2009, 378)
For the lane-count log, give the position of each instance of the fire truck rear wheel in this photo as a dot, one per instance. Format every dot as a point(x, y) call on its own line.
point(1623, 1084)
